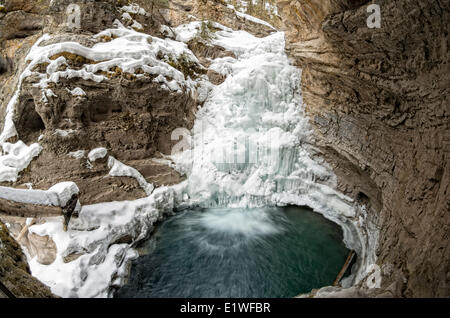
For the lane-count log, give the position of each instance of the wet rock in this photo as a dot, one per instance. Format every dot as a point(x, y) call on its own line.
point(206, 51)
point(215, 78)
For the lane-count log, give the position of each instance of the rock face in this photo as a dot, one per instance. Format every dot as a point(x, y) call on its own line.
point(132, 116)
point(378, 99)
point(181, 11)
point(14, 271)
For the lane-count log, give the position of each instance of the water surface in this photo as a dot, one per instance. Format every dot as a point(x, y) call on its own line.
point(264, 252)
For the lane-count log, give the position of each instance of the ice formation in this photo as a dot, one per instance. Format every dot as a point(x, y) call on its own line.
point(252, 144)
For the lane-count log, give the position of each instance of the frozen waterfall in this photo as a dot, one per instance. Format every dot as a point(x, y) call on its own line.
point(251, 142)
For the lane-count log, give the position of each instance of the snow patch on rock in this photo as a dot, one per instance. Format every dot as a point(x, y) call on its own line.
point(77, 92)
point(77, 154)
point(97, 153)
point(15, 158)
point(119, 169)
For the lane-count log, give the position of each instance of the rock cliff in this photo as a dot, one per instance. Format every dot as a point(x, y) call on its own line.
point(378, 99)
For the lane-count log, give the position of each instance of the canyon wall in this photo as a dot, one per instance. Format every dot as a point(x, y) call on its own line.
point(378, 99)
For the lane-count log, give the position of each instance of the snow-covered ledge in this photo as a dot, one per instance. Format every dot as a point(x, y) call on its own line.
point(60, 199)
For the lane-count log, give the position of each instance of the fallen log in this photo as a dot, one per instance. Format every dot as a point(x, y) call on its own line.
point(344, 268)
point(28, 210)
point(61, 199)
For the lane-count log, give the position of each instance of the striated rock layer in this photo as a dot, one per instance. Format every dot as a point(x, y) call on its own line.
point(378, 99)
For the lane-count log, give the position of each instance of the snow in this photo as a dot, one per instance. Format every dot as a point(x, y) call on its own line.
point(64, 191)
point(97, 153)
point(128, 50)
point(93, 234)
point(57, 195)
point(9, 129)
point(77, 92)
point(77, 154)
point(29, 185)
point(188, 31)
point(137, 26)
point(15, 158)
point(50, 93)
point(126, 16)
point(253, 19)
point(135, 9)
point(164, 29)
point(63, 133)
point(119, 169)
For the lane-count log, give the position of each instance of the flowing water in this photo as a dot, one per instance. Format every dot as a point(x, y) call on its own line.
point(260, 252)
